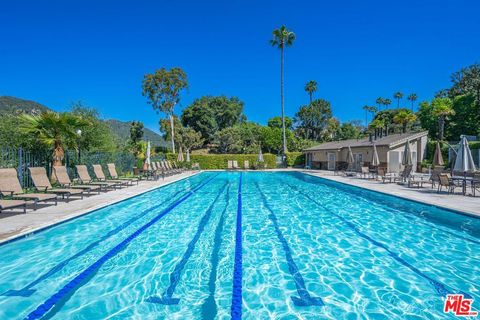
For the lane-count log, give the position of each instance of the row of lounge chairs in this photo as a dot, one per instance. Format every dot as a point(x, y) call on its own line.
point(233, 165)
point(11, 189)
point(163, 168)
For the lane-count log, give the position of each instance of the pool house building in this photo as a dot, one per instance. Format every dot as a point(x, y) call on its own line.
point(333, 155)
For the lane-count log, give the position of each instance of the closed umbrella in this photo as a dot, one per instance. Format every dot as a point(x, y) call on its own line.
point(375, 159)
point(260, 156)
point(180, 155)
point(437, 157)
point(464, 160)
point(350, 159)
point(188, 155)
point(407, 155)
point(147, 165)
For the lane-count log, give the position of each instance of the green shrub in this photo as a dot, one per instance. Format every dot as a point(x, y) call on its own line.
point(219, 161)
point(295, 159)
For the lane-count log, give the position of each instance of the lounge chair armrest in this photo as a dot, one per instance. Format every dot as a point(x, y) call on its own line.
point(7, 191)
point(41, 188)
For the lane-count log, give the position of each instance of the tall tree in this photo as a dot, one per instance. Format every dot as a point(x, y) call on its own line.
point(210, 114)
point(54, 130)
point(466, 81)
point(311, 88)
point(276, 122)
point(162, 89)
point(282, 38)
point(387, 102)
point(136, 135)
point(313, 119)
point(404, 117)
point(398, 95)
point(379, 101)
point(442, 108)
point(412, 97)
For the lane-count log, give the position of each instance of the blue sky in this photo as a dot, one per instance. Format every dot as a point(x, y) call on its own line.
point(57, 52)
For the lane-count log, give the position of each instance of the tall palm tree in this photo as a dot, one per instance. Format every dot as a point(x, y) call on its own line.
point(442, 108)
point(387, 102)
point(54, 130)
point(311, 88)
point(412, 97)
point(398, 95)
point(404, 117)
point(282, 38)
point(379, 102)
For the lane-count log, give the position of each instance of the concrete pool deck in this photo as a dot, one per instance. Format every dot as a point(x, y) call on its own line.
point(15, 223)
point(427, 195)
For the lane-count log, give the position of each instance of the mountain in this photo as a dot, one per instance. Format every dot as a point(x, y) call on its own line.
point(122, 129)
point(13, 105)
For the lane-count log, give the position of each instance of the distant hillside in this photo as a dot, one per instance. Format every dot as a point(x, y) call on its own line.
point(122, 129)
point(13, 105)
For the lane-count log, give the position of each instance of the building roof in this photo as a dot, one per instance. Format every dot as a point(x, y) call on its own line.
point(390, 141)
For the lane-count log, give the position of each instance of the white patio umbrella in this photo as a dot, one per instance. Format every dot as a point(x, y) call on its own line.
point(180, 155)
point(148, 163)
point(407, 155)
point(464, 160)
point(188, 155)
point(350, 159)
point(375, 159)
point(260, 156)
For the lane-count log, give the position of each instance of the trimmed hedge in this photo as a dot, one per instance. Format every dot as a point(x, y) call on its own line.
point(295, 159)
point(219, 161)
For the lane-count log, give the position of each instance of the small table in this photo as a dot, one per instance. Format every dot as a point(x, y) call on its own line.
point(464, 181)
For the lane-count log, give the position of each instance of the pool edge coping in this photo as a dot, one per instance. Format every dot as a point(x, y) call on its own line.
point(470, 214)
point(31, 231)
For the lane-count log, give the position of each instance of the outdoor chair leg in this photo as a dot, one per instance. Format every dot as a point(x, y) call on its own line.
point(25, 208)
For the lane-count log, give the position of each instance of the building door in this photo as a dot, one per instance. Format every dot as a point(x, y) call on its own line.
point(332, 159)
point(394, 161)
point(357, 161)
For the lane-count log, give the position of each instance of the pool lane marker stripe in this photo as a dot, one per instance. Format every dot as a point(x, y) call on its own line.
point(441, 289)
point(304, 299)
point(209, 306)
point(236, 308)
point(54, 303)
point(28, 291)
point(175, 276)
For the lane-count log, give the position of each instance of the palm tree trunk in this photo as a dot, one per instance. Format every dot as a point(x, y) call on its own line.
point(311, 97)
point(283, 103)
point(441, 126)
point(172, 133)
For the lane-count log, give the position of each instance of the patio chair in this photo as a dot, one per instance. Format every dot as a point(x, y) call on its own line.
point(178, 167)
point(445, 181)
point(112, 171)
point(366, 174)
point(10, 204)
point(166, 169)
point(195, 166)
point(246, 164)
point(42, 184)
point(404, 175)
point(476, 182)
point(229, 164)
point(171, 167)
point(97, 169)
point(235, 164)
point(85, 178)
point(10, 187)
point(63, 179)
point(386, 177)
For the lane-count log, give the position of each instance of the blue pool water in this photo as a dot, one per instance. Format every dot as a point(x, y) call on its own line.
point(254, 245)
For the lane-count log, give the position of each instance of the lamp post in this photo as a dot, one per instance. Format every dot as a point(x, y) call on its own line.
point(79, 136)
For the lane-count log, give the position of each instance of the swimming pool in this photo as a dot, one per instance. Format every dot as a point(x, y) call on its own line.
point(255, 245)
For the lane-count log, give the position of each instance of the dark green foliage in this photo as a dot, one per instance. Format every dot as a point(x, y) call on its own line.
point(122, 130)
point(210, 114)
point(276, 122)
point(295, 159)
point(313, 119)
point(219, 161)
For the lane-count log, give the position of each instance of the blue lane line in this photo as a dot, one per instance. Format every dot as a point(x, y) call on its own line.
point(236, 308)
point(441, 289)
point(60, 298)
point(209, 306)
point(28, 291)
point(166, 297)
point(366, 195)
point(304, 299)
